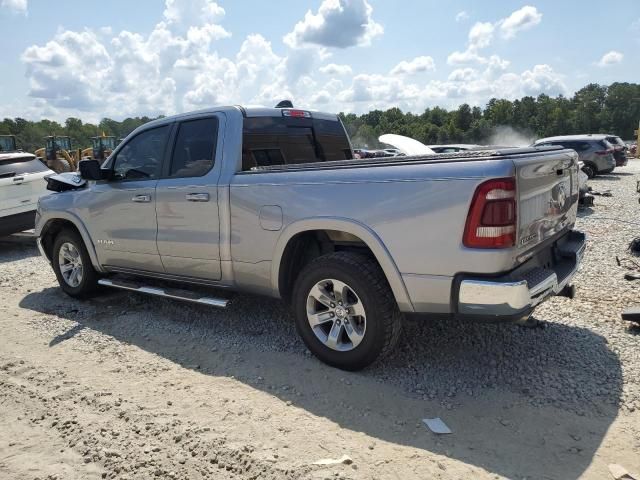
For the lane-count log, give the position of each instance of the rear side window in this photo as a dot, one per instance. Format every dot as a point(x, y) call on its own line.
point(195, 148)
point(20, 166)
point(269, 141)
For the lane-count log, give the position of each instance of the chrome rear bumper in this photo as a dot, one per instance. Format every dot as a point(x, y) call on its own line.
point(516, 295)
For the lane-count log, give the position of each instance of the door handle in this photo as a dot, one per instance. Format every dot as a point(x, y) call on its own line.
point(197, 197)
point(18, 180)
point(141, 198)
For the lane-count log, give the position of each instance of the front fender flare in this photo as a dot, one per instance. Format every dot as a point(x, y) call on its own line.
point(46, 220)
point(347, 225)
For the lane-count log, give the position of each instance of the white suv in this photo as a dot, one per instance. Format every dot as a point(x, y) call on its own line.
point(22, 182)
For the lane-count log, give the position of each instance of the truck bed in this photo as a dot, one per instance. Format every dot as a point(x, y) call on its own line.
point(467, 156)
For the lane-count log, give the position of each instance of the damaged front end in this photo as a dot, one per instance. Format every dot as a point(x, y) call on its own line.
point(63, 182)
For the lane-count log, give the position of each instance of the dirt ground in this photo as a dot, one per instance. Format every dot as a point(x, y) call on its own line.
point(127, 386)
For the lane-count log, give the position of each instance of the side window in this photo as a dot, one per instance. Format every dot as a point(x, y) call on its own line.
point(141, 157)
point(195, 148)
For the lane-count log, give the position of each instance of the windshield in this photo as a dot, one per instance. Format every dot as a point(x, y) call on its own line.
point(63, 143)
point(109, 143)
point(7, 144)
point(271, 141)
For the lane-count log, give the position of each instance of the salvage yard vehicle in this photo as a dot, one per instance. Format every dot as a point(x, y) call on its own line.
point(619, 150)
point(21, 184)
point(453, 148)
point(8, 143)
point(594, 151)
point(101, 147)
point(271, 201)
point(57, 154)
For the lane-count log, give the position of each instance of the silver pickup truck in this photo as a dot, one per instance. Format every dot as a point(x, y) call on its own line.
point(271, 201)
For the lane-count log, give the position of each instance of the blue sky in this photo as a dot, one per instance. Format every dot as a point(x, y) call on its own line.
point(122, 58)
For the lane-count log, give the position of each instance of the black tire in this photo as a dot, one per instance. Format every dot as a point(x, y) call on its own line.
point(365, 278)
point(589, 171)
point(89, 282)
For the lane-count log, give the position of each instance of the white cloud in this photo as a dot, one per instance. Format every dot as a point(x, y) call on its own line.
point(610, 58)
point(481, 35)
point(334, 69)
point(465, 85)
point(523, 19)
point(189, 12)
point(462, 74)
point(471, 56)
point(462, 16)
point(16, 6)
point(417, 65)
point(542, 79)
point(178, 66)
point(338, 23)
point(128, 73)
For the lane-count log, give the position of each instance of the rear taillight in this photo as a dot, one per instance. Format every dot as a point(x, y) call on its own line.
point(491, 222)
point(605, 152)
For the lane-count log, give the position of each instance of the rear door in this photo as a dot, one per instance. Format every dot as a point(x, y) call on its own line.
point(547, 187)
point(187, 201)
point(21, 183)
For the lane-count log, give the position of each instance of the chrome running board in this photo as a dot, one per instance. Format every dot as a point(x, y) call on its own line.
point(174, 294)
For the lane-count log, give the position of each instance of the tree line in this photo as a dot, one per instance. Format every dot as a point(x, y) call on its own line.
point(593, 109)
point(31, 135)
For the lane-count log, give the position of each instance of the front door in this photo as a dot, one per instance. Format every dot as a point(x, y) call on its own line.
point(122, 211)
point(187, 202)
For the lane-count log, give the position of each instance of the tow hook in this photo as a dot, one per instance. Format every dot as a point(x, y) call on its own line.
point(569, 291)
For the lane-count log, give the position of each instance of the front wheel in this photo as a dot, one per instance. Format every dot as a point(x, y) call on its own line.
point(345, 311)
point(72, 265)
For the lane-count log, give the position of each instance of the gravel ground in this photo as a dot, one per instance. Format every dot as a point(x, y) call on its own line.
point(127, 386)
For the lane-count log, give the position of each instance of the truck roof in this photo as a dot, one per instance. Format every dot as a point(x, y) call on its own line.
point(588, 136)
point(246, 112)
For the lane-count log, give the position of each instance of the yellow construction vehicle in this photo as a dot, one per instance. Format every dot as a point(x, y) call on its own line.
point(8, 143)
point(101, 147)
point(58, 154)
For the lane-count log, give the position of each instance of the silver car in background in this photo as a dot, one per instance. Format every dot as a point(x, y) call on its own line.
point(594, 151)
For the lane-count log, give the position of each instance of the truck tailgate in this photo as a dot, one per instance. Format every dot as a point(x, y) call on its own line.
point(547, 187)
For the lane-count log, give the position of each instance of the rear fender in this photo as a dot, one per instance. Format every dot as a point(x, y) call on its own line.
point(352, 227)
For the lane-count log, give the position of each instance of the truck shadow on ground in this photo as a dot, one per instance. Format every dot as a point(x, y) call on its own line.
point(521, 402)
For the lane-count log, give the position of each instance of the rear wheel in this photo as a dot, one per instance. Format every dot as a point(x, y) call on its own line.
point(72, 265)
point(589, 171)
point(345, 311)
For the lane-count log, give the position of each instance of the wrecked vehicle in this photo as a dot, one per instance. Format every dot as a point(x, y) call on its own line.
point(594, 151)
point(21, 184)
point(271, 201)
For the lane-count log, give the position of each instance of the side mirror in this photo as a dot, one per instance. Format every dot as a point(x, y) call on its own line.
point(90, 170)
